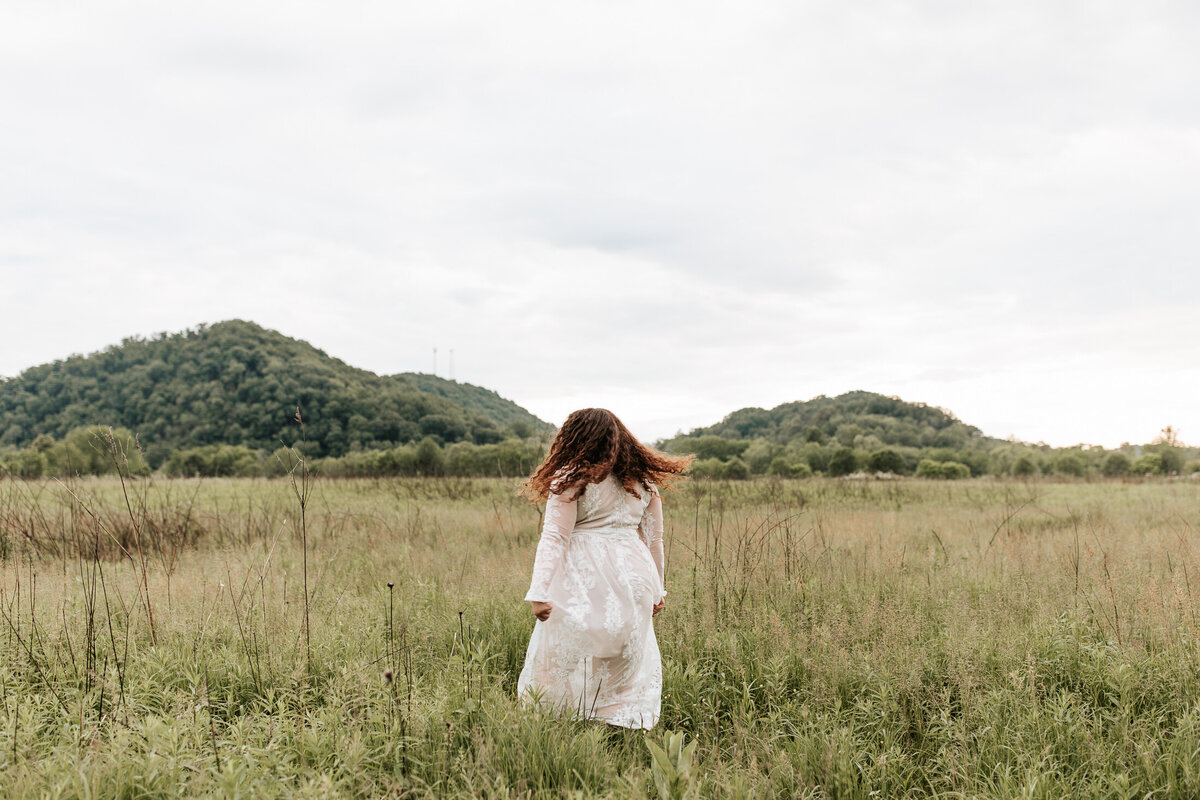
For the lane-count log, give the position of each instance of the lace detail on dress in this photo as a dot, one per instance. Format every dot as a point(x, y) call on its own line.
point(556, 527)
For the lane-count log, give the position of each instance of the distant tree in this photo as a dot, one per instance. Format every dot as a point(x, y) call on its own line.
point(1172, 457)
point(975, 458)
point(848, 432)
point(946, 470)
point(843, 462)
point(711, 447)
point(430, 459)
point(1000, 460)
point(28, 464)
point(520, 429)
point(1024, 467)
point(443, 427)
point(1148, 464)
point(1070, 464)
point(1115, 465)
point(708, 468)
point(886, 460)
point(1167, 447)
point(814, 434)
point(759, 455)
point(748, 423)
point(781, 467)
point(1191, 468)
point(488, 435)
point(214, 460)
point(817, 457)
point(956, 470)
point(1168, 436)
point(737, 470)
point(460, 459)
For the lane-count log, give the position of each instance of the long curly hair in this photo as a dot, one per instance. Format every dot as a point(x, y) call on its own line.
point(593, 443)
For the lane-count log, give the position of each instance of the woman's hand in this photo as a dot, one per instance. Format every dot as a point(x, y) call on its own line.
point(541, 610)
point(659, 606)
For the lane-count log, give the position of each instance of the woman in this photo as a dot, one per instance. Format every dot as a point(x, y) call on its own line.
point(598, 573)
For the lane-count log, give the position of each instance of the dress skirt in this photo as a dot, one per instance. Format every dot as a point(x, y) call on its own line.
point(596, 656)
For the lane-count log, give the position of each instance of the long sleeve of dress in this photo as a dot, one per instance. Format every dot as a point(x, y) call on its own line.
point(556, 527)
point(652, 533)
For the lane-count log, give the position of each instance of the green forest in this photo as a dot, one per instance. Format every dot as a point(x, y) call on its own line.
point(867, 433)
point(236, 383)
point(222, 400)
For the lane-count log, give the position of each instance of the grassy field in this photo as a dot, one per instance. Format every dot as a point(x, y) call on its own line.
point(821, 638)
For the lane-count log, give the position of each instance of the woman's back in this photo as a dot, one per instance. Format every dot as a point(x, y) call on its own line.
point(606, 505)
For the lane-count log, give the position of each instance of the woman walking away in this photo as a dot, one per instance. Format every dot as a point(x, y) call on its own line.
point(598, 573)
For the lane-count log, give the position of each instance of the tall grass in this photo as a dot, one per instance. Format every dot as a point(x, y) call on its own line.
point(821, 639)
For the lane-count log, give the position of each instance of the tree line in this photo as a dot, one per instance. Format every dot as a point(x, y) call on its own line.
point(740, 458)
point(98, 450)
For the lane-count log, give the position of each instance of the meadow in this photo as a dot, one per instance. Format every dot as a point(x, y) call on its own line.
point(822, 638)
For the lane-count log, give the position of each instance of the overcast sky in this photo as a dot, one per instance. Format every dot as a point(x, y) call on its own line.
point(673, 210)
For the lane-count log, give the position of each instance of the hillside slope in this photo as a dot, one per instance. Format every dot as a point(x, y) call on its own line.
point(475, 399)
point(234, 382)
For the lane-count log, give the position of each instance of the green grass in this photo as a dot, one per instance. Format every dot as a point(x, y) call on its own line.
point(821, 639)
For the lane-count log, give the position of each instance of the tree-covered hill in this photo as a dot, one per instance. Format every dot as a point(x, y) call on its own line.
point(864, 431)
point(847, 418)
point(478, 400)
point(238, 383)
point(836, 435)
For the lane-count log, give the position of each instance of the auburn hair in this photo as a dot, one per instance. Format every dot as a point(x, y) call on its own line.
point(590, 445)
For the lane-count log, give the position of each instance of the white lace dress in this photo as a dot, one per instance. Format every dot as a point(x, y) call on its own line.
point(600, 563)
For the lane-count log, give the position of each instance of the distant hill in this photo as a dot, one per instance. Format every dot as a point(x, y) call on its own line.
point(847, 419)
point(476, 399)
point(880, 434)
point(236, 382)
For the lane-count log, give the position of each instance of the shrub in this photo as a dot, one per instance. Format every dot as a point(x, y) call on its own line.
point(708, 468)
point(1171, 457)
point(945, 470)
point(816, 456)
point(976, 460)
point(1070, 464)
point(779, 467)
point(783, 468)
point(737, 470)
point(430, 459)
point(1024, 467)
point(844, 462)
point(760, 454)
point(1192, 468)
point(1148, 464)
point(213, 461)
point(706, 447)
point(27, 463)
point(1115, 464)
point(886, 460)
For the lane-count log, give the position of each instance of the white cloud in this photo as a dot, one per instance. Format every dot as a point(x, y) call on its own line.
point(673, 209)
